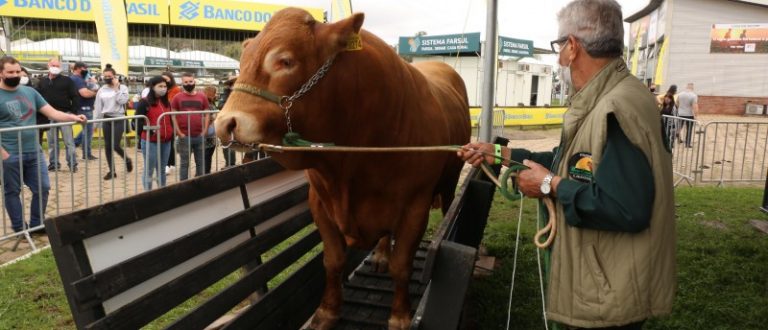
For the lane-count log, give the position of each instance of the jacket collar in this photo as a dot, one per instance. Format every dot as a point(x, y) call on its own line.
point(582, 103)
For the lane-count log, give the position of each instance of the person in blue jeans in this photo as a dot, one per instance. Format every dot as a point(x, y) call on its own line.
point(156, 135)
point(190, 129)
point(87, 87)
point(23, 159)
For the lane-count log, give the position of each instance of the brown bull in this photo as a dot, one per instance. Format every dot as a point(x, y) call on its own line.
point(368, 97)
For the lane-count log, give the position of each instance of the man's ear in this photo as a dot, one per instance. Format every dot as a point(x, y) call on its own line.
point(574, 46)
point(341, 31)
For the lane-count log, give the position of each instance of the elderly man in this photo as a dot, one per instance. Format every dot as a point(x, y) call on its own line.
point(613, 256)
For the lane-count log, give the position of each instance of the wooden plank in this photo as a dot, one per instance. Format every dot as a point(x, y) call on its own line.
point(219, 304)
point(69, 263)
point(285, 307)
point(449, 220)
point(141, 311)
point(448, 288)
point(79, 225)
point(103, 285)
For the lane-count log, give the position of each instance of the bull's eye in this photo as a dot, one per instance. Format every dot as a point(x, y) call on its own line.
point(286, 63)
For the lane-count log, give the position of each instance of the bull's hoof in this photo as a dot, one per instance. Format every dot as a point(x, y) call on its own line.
point(380, 263)
point(399, 323)
point(324, 319)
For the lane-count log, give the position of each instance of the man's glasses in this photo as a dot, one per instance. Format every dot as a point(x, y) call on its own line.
point(558, 44)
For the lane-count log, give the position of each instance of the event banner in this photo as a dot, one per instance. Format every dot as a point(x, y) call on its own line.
point(139, 11)
point(227, 14)
point(739, 38)
point(515, 47)
point(112, 31)
point(442, 44)
point(524, 116)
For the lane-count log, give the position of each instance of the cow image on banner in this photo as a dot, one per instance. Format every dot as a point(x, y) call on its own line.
point(365, 98)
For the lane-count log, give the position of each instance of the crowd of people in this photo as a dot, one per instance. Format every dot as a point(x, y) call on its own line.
point(684, 105)
point(81, 97)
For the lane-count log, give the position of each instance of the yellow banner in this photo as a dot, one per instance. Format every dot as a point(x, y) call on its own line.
point(659, 79)
point(519, 116)
point(227, 14)
point(139, 11)
point(112, 30)
point(34, 55)
point(340, 9)
point(147, 11)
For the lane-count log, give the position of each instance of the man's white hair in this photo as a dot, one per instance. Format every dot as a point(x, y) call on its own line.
point(596, 23)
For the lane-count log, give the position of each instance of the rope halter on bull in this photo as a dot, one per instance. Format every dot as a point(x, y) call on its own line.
point(292, 142)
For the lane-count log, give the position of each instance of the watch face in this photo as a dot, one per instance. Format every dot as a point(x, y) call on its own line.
point(545, 188)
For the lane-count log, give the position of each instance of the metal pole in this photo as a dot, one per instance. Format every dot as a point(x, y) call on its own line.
point(489, 73)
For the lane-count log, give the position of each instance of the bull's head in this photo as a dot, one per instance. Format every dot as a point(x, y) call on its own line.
point(275, 65)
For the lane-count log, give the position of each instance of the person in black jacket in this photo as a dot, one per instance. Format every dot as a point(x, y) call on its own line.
point(60, 92)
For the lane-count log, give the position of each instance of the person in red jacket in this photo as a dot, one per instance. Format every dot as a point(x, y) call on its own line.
point(157, 135)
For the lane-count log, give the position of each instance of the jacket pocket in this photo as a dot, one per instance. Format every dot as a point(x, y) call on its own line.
point(595, 290)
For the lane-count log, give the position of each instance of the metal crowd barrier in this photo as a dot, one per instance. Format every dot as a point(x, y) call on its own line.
point(71, 191)
point(717, 152)
point(498, 123)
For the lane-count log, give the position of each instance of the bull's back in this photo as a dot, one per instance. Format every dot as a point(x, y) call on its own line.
point(450, 96)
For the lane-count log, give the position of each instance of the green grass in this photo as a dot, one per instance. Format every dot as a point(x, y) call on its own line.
point(722, 273)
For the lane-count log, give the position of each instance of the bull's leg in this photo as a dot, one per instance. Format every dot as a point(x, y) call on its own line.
point(334, 257)
point(407, 240)
point(380, 259)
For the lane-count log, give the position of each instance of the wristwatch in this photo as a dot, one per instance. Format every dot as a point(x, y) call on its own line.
point(546, 186)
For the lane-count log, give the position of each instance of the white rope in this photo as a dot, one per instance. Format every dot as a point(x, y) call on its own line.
point(514, 263)
point(541, 276)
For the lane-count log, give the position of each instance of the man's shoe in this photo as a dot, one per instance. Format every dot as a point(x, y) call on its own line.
point(110, 176)
point(53, 167)
point(38, 232)
point(92, 157)
point(73, 169)
point(128, 165)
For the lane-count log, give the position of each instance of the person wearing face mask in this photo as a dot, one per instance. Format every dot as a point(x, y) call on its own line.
point(87, 89)
point(173, 90)
point(110, 103)
point(22, 156)
point(612, 260)
point(61, 93)
point(190, 129)
point(156, 135)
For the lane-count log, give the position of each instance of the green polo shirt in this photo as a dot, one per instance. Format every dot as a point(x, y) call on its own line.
point(18, 108)
point(619, 196)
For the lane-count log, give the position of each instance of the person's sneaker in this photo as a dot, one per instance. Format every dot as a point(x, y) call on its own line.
point(110, 176)
point(91, 157)
point(169, 169)
point(73, 169)
point(54, 167)
point(128, 165)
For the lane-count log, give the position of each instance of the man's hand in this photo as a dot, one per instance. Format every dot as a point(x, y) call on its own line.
point(477, 152)
point(79, 118)
point(4, 153)
point(530, 180)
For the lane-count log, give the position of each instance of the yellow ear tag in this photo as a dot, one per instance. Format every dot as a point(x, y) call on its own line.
point(354, 42)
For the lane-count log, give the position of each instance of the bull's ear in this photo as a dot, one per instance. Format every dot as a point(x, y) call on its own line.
point(246, 42)
point(347, 28)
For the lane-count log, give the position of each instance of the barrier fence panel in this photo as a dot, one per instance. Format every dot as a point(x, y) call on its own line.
point(683, 138)
point(498, 123)
point(734, 152)
point(93, 182)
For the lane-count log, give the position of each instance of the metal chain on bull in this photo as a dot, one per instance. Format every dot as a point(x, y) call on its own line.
point(286, 102)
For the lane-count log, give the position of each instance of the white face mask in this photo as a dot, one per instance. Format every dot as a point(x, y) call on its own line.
point(54, 70)
point(24, 81)
point(565, 76)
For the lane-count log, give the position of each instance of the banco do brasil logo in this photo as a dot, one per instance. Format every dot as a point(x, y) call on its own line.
point(3, 2)
point(189, 10)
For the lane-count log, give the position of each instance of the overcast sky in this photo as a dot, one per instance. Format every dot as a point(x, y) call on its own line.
point(389, 19)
